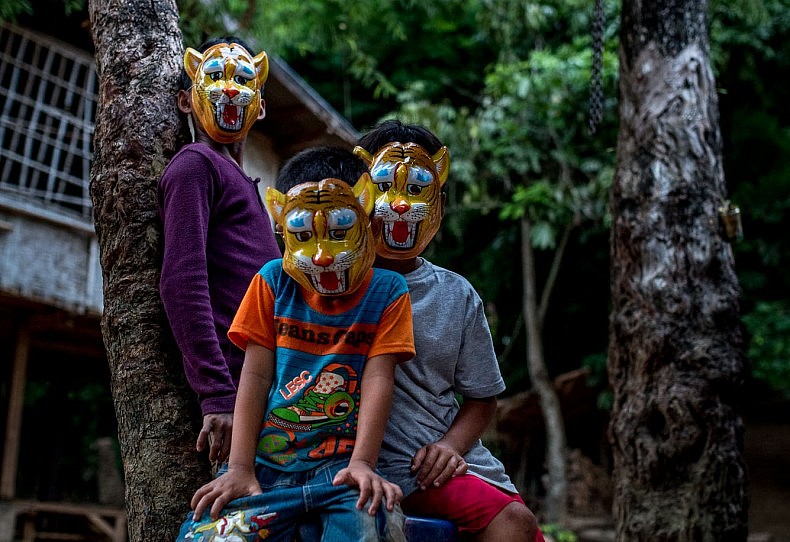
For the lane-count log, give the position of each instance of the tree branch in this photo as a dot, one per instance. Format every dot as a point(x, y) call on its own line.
point(551, 280)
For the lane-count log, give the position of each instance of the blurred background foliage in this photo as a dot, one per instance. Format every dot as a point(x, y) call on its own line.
point(506, 85)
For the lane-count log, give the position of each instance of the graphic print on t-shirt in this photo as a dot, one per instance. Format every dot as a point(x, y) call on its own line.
point(325, 402)
point(328, 401)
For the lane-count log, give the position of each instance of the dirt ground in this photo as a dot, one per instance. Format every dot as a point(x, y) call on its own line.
point(767, 454)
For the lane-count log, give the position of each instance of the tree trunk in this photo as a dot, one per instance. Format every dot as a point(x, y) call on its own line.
point(676, 359)
point(138, 52)
point(557, 487)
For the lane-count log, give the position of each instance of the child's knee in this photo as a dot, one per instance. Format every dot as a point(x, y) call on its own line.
point(519, 516)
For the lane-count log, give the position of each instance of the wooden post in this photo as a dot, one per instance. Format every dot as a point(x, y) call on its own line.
point(13, 430)
point(16, 401)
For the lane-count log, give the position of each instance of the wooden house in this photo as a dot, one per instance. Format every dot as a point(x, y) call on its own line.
point(54, 391)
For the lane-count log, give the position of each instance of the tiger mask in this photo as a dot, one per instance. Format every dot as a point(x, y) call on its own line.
point(226, 91)
point(407, 184)
point(329, 247)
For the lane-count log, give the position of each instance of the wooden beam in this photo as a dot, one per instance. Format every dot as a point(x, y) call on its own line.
point(16, 401)
point(109, 521)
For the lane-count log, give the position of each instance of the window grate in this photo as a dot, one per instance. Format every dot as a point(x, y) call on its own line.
point(48, 97)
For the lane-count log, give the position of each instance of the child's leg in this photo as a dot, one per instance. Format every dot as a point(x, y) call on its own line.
point(248, 519)
point(272, 515)
point(341, 521)
point(480, 509)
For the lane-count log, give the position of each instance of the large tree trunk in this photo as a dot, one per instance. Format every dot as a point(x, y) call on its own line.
point(138, 52)
point(676, 359)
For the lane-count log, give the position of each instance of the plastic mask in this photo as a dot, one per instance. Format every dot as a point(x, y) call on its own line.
point(226, 90)
point(408, 190)
point(328, 242)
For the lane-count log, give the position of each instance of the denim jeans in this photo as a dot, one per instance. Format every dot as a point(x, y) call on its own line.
point(291, 499)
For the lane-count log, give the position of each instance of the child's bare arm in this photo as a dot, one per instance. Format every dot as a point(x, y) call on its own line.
point(439, 461)
point(375, 403)
point(240, 480)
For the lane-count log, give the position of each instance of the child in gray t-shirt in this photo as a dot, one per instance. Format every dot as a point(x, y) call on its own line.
point(432, 446)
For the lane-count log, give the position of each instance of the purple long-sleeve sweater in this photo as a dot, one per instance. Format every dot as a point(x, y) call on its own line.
point(217, 235)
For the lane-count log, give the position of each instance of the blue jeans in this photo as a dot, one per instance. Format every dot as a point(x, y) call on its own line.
point(289, 500)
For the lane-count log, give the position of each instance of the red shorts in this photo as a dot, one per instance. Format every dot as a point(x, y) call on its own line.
point(466, 500)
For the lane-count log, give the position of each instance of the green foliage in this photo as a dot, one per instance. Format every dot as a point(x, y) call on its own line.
point(531, 146)
point(769, 348)
point(545, 207)
point(596, 363)
point(10, 9)
point(558, 533)
point(76, 407)
point(360, 54)
point(751, 53)
point(199, 19)
point(74, 6)
point(764, 199)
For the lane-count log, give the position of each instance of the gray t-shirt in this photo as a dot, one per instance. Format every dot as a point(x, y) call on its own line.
point(455, 354)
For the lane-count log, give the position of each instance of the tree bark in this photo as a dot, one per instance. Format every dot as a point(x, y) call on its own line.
point(557, 486)
point(676, 354)
point(138, 51)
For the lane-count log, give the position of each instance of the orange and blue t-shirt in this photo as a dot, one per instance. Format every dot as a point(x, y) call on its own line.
point(321, 345)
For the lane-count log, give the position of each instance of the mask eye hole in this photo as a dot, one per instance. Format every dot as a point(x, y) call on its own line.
point(384, 187)
point(216, 76)
point(337, 235)
point(303, 236)
point(239, 80)
point(414, 189)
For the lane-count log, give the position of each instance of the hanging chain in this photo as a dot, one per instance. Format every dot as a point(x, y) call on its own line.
point(596, 76)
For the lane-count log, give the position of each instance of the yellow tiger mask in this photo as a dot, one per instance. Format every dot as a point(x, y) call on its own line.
point(408, 183)
point(329, 247)
point(226, 90)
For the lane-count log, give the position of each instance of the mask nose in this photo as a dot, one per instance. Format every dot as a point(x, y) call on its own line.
point(400, 206)
point(323, 259)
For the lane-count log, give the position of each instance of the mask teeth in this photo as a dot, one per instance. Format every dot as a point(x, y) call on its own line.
point(341, 284)
point(220, 111)
point(408, 243)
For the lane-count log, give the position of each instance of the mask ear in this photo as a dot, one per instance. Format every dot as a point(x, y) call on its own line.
point(275, 203)
point(262, 67)
point(363, 191)
point(192, 60)
point(364, 155)
point(442, 162)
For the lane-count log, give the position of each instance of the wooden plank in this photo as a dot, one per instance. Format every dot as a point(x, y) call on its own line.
point(67, 508)
point(109, 521)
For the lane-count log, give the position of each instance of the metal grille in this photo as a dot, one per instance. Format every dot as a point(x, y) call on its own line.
point(47, 109)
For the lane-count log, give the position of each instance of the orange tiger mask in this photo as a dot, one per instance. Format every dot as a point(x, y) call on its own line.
point(329, 247)
point(226, 90)
point(408, 184)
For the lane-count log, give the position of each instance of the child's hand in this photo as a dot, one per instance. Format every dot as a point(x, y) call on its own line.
point(216, 433)
point(436, 463)
point(236, 482)
point(371, 486)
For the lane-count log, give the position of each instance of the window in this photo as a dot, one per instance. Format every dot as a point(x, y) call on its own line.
point(47, 109)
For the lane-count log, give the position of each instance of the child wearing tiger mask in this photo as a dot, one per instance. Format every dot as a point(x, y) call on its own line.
point(216, 234)
point(432, 446)
point(323, 332)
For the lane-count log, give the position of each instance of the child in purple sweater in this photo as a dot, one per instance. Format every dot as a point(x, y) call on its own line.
point(217, 234)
